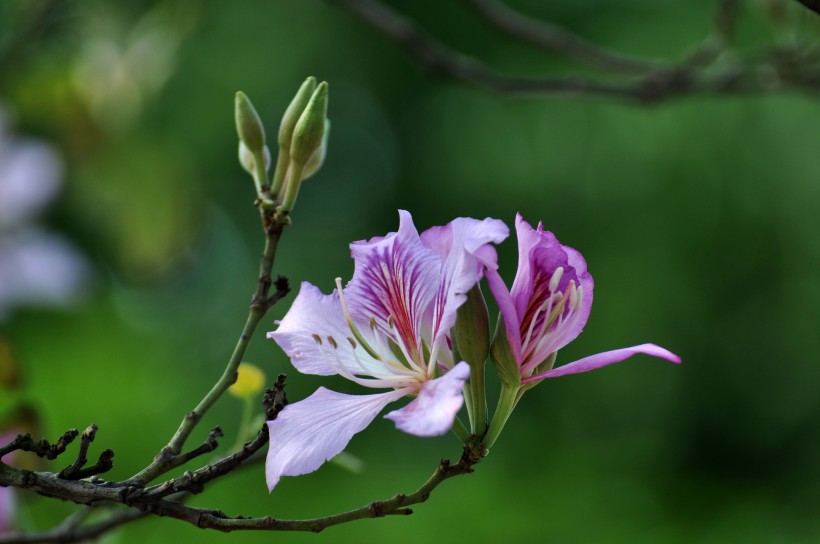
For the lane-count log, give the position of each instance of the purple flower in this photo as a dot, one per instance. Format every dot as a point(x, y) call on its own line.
point(389, 328)
point(548, 306)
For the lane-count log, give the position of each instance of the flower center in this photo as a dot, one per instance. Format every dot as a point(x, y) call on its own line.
point(379, 354)
point(551, 317)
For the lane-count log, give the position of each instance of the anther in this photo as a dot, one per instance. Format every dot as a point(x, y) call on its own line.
point(352, 342)
point(556, 278)
point(317, 338)
point(332, 342)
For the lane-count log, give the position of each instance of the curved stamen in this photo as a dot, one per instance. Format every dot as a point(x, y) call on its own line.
point(392, 381)
point(534, 354)
point(352, 325)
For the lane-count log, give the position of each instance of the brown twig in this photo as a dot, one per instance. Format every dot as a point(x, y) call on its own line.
point(396, 505)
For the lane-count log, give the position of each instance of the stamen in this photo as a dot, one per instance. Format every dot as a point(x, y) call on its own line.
point(578, 298)
point(380, 382)
point(352, 325)
point(332, 342)
point(565, 322)
point(546, 307)
point(390, 322)
point(352, 342)
point(317, 338)
point(556, 278)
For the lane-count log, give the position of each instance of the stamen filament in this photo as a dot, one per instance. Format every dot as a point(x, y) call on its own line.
point(356, 334)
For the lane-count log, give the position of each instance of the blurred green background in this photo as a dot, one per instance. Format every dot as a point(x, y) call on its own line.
point(699, 219)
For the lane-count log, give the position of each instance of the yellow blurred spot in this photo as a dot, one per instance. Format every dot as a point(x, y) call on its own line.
point(251, 380)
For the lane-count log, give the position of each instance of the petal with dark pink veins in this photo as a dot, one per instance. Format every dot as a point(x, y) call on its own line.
point(394, 281)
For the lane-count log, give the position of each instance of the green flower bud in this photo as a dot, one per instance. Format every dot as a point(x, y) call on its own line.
point(246, 158)
point(318, 158)
point(472, 329)
point(248, 124)
point(294, 111)
point(502, 357)
point(309, 131)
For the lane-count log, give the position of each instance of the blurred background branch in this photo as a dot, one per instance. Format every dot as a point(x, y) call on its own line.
point(712, 68)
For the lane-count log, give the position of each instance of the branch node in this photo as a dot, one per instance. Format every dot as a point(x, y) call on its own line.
point(275, 398)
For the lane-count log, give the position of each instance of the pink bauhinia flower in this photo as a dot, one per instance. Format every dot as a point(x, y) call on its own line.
point(548, 306)
point(389, 328)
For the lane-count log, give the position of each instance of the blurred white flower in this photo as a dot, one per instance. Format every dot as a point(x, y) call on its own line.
point(37, 268)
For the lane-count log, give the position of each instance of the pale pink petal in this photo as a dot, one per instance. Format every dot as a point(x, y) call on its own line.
point(583, 279)
point(508, 311)
point(306, 331)
point(309, 432)
point(394, 281)
point(528, 240)
point(464, 246)
point(606, 358)
point(432, 412)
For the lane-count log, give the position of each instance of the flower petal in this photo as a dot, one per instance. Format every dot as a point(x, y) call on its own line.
point(606, 358)
point(464, 247)
point(315, 315)
point(394, 282)
point(309, 432)
point(508, 312)
point(432, 412)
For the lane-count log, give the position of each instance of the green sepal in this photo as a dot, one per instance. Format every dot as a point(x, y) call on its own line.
point(502, 357)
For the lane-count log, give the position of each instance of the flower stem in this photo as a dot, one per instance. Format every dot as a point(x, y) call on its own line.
point(168, 456)
point(282, 163)
point(292, 187)
point(506, 403)
point(479, 398)
point(460, 431)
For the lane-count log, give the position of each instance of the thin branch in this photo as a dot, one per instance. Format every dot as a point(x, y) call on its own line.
point(70, 532)
point(194, 482)
point(169, 456)
point(42, 447)
point(560, 40)
point(396, 505)
point(739, 76)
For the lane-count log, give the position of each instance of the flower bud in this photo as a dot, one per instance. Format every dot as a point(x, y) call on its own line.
point(318, 158)
point(294, 111)
point(248, 125)
point(472, 329)
point(309, 132)
point(502, 357)
point(246, 158)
